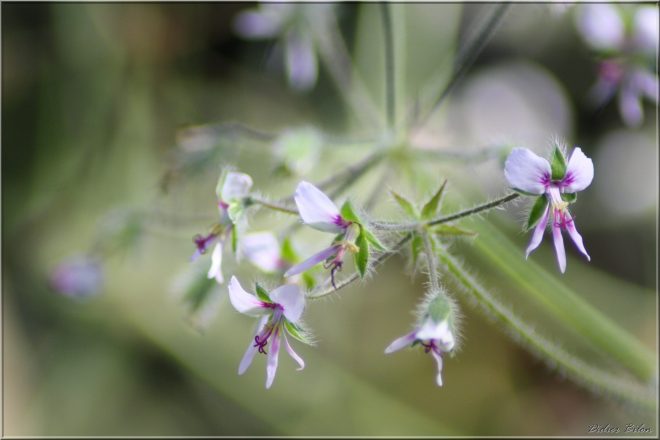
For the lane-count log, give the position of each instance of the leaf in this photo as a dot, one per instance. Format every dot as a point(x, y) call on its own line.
point(451, 230)
point(558, 164)
point(348, 213)
point(371, 238)
point(537, 211)
point(431, 208)
point(362, 255)
point(262, 293)
point(569, 197)
point(405, 204)
point(297, 332)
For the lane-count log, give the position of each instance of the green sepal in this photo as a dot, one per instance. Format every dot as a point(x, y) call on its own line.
point(235, 210)
point(297, 332)
point(371, 238)
point(309, 280)
point(362, 255)
point(405, 204)
point(287, 251)
point(558, 164)
point(537, 211)
point(431, 208)
point(234, 239)
point(262, 294)
point(569, 197)
point(348, 213)
point(451, 230)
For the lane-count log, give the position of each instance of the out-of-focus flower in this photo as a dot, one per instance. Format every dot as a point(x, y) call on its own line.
point(292, 25)
point(231, 191)
point(433, 330)
point(279, 313)
point(298, 150)
point(557, 185)
point(629, 54)
point(263, 250)
point(79, 276)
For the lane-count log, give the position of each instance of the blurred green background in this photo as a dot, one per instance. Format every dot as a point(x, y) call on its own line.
point(93, 97)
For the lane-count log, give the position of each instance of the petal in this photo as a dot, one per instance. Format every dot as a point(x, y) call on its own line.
point(316, 209)
point(601, 26)
point(252, 349)
point(243, 301)
point(291, 299)
point(526, 171)
point(630, 107)
point(263, 250)
point(438, 359)
point(579, 172)
point(301, 65)
point(292, 353)
point(399, 343)
point(559, 246)
point(236, 186)
point(273, 354)
point(537, 236)
point(646, 83)
point(575, 236)
point(646, 28)
point(215, 271)
point(437, 331)
point(312, 261)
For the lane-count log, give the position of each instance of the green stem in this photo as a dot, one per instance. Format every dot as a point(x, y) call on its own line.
point(593, 378)
point(431, 262)
point(404, 227)
point(275, 206)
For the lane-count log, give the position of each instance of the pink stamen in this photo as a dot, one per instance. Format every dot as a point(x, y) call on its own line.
point(202, 242)
point(431, 346)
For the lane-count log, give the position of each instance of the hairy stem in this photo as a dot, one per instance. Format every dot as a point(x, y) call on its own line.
point(403, 227)
point(275, 206)
point(431, 262)
point(593, 378)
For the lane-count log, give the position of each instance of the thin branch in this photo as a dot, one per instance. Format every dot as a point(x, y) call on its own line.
point(390, 92)
point(467, 55)
point(275, 206)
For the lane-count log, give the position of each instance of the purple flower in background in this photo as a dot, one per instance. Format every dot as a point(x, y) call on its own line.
point(556, 185)
point(279, 313)
point(291, 24)
point(629, 55)
point(263, 250)
point(436, 338)
point(319, 212)
point(234, 188)
point(79, 276)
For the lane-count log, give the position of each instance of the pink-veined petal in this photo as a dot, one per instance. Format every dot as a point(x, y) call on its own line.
point(236, 186)
point(293, 354)
point(292, 300)
point(312, 261)
point(243, 301)
point(559, 246)
point(301, 64)
point(575, 236)
point(526, 171)
point(539, 230)
point(438, 359)
point(246, 361)
point(399, 343)
point(273, 355)
point(215, 271)
point(579, 172)
point(316, 209)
